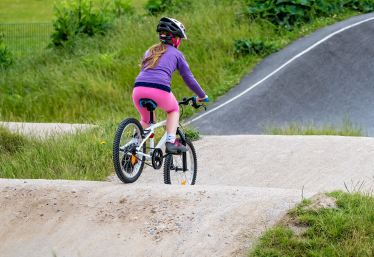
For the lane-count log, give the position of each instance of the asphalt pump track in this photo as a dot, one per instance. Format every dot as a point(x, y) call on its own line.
point(245, 183)
point(320, 78)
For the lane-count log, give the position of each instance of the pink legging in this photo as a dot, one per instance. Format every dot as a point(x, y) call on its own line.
point(164, 100)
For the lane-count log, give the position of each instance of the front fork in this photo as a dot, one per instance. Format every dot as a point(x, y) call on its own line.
point(184, 154)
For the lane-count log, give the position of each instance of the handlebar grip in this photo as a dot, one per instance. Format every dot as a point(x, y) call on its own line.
point(205, 100)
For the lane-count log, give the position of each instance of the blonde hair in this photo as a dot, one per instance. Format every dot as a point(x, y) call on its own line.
point(155, 52)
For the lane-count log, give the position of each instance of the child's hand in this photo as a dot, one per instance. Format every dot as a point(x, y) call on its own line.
point(201, 99)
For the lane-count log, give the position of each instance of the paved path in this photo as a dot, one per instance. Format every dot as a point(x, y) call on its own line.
point(330, 81)
point(43, 129)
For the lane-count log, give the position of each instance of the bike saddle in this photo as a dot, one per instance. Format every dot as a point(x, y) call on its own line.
point(148, 103)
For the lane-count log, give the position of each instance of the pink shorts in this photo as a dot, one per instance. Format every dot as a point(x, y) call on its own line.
point(164, 100)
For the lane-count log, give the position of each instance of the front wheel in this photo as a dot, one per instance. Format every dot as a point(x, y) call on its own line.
point(128, 163)
point(174, 173)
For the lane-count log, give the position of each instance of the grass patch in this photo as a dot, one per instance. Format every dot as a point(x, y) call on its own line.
point(39, 10)
point(347, 128)
point(81, 156)
point(345, 231)
point(192, 134)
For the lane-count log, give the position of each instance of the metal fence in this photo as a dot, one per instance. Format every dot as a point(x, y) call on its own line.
point(26, 36)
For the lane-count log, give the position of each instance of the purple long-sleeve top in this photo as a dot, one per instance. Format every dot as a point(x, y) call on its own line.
point(170, 61)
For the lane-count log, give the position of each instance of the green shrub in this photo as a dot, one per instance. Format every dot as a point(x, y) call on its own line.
point(155, 7)
point(245, 46)
point(6, 57)
point(289, 13)
point(359, 5)
point(192, 134)
point(79, 18)
point(123, 7)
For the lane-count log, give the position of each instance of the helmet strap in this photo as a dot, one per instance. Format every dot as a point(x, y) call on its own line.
point(164, 37)
point(175, 43)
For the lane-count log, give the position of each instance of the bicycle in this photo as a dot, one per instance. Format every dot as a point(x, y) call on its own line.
point(130, 150)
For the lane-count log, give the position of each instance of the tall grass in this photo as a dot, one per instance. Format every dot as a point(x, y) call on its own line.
point(92, 81)
point(81, 156)
point(11, 143)
point(346, 128)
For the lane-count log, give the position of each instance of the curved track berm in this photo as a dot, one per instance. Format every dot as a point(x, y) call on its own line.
point(332, 80)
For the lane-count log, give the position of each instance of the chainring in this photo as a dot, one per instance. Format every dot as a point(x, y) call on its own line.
point(157, 158)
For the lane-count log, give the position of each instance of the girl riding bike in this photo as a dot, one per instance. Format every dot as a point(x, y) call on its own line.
point(153, 81)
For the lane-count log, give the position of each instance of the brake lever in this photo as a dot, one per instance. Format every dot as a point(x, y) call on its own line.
point(195, 105)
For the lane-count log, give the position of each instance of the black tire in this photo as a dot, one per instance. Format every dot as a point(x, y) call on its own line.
point(171, 176)
point(122, 165)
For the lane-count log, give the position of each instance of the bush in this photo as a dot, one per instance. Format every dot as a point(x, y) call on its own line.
point(289, 13)
point(80, 18)
point(155, 7)
point(123, 7)
point(245, 46)
point(359, 5)
point(6, 57)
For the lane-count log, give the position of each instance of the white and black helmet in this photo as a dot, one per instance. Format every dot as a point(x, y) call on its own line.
point(172, 26)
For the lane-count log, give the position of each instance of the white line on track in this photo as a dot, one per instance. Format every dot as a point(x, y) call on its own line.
point(281, 67)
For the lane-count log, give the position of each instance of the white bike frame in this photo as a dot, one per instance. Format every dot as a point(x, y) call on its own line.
point(151, 130)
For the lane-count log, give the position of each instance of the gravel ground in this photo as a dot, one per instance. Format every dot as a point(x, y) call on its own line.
point(245, 184)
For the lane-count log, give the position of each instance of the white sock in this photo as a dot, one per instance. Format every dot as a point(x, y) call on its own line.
point(170, 138)
point(134, 139)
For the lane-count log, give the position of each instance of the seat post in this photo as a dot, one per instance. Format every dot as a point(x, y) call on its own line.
point(151, 121)
point(151, 106)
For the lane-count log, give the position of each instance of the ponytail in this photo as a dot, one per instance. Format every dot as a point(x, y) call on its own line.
point(156, 52)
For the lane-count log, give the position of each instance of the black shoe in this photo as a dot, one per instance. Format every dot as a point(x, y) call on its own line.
point(177, 147)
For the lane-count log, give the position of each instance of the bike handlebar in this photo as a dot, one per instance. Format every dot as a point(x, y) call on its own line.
point(186, 101)
point(203, 100)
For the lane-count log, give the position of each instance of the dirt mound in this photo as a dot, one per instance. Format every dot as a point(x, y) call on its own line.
point(82, 218)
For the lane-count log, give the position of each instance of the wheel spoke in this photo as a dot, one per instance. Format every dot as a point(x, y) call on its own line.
point(128, 166)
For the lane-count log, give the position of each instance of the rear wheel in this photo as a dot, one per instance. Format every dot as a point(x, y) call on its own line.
point(128, 164)
point(173, 167)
